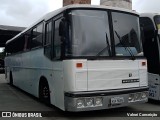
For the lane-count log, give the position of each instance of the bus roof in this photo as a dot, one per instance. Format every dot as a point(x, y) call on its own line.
point(150, 15)
point(80, 6)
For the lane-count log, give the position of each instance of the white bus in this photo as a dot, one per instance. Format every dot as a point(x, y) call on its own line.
point(150, 22)
point(81, 58)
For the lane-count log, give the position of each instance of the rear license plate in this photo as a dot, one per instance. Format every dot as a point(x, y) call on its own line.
point(117, 100)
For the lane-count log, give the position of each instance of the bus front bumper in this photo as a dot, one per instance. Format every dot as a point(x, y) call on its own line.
point(98, 100)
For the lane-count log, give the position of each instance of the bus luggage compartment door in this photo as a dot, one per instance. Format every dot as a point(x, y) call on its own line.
point(113, 74)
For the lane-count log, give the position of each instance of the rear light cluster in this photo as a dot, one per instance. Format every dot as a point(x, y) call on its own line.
point(79, 65)
point(89, 102)
point(144, 63)
point(137, 96)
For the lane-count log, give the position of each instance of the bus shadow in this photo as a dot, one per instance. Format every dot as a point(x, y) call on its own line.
point(115, 112)
point(155, 102)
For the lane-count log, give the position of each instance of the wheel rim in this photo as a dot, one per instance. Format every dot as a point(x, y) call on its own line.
point(45, 92)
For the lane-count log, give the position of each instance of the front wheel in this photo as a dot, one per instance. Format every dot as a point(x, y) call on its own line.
point(44, 92)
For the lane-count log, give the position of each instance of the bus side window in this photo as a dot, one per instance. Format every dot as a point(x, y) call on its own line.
point(48, 40)
point(37, 36)
point(57, 40)
point(27, 38)
point(16, 46)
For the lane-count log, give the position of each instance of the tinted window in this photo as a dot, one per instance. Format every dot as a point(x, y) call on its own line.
point(16, 46)
point(48, 33)
point(27, 38)
point(37, 36)
point(48, 40)
point(40, 33)
point(57, 40)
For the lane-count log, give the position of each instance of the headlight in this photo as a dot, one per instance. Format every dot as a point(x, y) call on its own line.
point(98, 101)
point(137, 96)
point(80, 103)
point(144, 95)
point(89, 102)
point(131, 97)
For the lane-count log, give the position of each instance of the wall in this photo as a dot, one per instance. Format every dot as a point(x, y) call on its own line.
point(68, 2)
point(118, 3)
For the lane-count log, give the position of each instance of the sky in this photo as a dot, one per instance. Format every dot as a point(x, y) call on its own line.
point(142, 6)
point(24, 12)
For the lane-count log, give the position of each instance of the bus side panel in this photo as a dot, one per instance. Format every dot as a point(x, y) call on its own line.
point(20, 71)
point(52, 71)
point(58, 84)
point(32, 71)
point(29, 67)
point(15, 67)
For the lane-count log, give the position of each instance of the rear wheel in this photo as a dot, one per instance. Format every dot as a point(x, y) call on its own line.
point(44, 92)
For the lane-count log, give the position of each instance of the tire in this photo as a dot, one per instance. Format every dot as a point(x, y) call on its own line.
point(11, 79)
point(44, 92)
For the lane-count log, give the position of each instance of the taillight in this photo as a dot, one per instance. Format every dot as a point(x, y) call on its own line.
point(144, 63)
point(79, 65)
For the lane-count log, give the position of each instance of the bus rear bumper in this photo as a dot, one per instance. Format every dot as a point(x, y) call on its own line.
point(98, 100)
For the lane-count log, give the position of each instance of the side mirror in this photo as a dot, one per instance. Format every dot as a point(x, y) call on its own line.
point(61, 27)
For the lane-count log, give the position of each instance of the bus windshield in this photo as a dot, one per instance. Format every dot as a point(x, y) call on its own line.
point(157, 21)
point(126, 34)
point(91, 34)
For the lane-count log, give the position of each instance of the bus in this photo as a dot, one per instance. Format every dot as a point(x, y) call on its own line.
point(150, 23)
point(81, 58)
